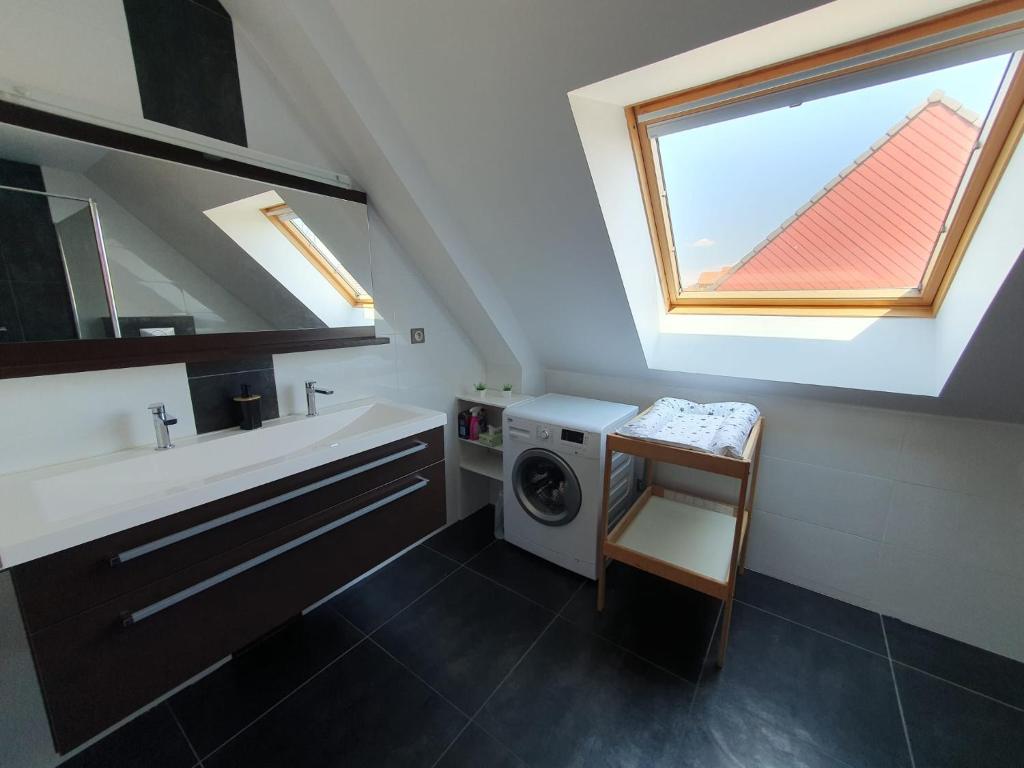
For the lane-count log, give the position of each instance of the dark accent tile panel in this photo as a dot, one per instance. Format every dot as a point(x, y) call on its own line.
point(578, 700)
point(45, 311)
point(377, 598)
point(527, 574)
point(464, 636)
point(186, 66)
point(729, 738)
point(463, 539)
point(21, 175)
point(363, 710)
point(35, 301)
point(833, 617)
point(839, 698)
point(665, 623)
point(225, 701)
point(152, 739)
point(214, 7)
point(981, 671)
point(476, 749)
point(27, 235)
point(10, 325)
point(217, 367)
point(212, 395)
point(953, 728)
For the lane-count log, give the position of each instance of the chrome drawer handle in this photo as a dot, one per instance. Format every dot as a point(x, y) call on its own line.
point(238, 514)
point(134, 617)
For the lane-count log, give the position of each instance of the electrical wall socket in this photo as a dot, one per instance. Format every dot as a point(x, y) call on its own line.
point(417, 335)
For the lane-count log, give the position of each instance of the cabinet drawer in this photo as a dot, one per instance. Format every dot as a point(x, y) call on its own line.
point(61, 585)
point(100, 666)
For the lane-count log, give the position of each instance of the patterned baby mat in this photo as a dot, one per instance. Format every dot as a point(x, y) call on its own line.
point(719, 428)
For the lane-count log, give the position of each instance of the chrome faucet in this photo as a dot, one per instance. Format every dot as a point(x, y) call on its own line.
point(161, 421)
point(311, 393)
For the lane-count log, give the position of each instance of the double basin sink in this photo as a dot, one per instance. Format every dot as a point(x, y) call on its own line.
point(53, 508)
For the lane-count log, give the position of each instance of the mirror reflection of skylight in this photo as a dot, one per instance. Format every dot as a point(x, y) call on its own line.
point(329, 257)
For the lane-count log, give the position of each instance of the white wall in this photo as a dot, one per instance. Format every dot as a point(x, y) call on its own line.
point(324, 79)
point(913, 515)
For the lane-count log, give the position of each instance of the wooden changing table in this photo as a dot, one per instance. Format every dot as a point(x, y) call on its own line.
point(699, 543)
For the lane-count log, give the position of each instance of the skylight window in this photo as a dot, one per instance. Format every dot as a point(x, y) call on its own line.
point(842, 182)
point(318, 254)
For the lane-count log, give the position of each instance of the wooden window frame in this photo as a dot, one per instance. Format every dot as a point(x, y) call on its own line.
point(313, 256)
point(1005, 130)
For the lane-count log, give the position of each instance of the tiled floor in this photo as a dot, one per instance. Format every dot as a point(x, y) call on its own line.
point(468, 652)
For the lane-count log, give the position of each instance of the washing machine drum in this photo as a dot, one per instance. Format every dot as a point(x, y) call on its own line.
point(546, 487)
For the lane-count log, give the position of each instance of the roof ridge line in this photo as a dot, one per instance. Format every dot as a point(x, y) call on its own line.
point(937, 96)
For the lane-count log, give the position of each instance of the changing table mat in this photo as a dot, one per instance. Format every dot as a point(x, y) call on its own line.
point(719, 428)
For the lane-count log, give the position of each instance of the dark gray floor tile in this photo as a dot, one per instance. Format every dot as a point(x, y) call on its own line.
point(578, 700)
point(953, 728)
point(152, 739)
point(364, 710)
point(839, 698)
point(527, 574)
point(464, 636)
point(216, 707)
point(981, 671)
point(461, 540)
point(376, 599)
point(665, 623)
point(834, 617)
point(731, 738)
point(475, 749)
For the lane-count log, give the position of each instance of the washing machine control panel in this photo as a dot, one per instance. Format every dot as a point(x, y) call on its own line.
point(558, 438)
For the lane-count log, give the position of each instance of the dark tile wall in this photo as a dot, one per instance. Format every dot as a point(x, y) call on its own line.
point(212, 386)
point(184, 53)
point(34, 301)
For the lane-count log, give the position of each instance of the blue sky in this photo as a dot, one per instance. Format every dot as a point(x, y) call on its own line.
point(732, 183)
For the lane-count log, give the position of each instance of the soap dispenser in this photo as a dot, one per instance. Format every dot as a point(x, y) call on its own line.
point(251, 407)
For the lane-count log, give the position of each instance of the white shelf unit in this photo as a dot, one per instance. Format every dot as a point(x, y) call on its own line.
point(487, 464)
point(477, 443)
point(495, 398)
point(474, 456)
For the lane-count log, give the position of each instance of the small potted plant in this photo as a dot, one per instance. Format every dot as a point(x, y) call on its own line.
point(480, 388)
point(506, 390)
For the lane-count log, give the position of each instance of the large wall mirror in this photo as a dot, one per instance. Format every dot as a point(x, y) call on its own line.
point(100, 243)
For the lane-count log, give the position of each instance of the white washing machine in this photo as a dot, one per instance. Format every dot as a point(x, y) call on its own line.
point(554, 474)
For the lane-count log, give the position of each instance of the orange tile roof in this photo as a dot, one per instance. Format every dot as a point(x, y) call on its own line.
point(707, 279)
point(876, 224)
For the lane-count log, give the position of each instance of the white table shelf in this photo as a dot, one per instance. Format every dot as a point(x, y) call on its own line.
point(694, 538)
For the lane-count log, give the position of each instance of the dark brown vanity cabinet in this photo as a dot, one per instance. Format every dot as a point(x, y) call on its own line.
point(116, 622)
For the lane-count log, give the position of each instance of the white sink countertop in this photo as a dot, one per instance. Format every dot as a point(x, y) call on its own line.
point(56, 507)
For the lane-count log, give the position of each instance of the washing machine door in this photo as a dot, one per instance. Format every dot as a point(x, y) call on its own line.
point(546, 487)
